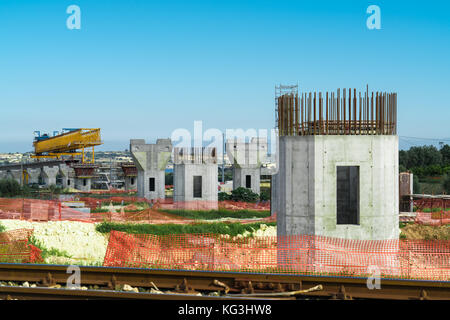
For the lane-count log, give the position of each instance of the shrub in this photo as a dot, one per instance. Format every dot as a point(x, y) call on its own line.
point(9, 188)
point(264, 195)
point(244, 194)
point(222, 196)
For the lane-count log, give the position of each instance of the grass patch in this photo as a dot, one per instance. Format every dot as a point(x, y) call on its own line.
point(232, 229)
point(98, 210)
point(435, 209)
point(218, 214)
point(48, 252)
point(2, 228)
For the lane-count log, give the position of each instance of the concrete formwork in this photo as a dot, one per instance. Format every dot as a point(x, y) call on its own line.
point(247, 158)
point(306, 200)
point(151, 161)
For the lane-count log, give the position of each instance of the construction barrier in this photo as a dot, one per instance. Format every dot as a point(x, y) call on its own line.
point(432, 218)
point(54, 210)
point(302, 254)
point(15, 247)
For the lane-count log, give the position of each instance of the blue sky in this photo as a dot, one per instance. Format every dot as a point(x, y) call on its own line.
point(140, 69)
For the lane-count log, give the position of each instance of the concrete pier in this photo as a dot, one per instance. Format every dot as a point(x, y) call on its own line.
point(247, 158)
point(151, 161)
point(130, 175)
point(338, 186)
point(195, 178)
point(49, 174)
point(33, 175)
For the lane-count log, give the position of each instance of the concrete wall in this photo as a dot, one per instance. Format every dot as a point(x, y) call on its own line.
point(184, 181)
point(247, 158)
point(239, 176)
point(80, 185)
point(307, 185)
point(130, 182)
point(151, 161)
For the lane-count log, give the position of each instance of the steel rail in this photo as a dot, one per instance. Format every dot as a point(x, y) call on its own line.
point(230, 282)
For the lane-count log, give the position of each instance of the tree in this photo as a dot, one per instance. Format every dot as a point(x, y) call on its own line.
point(422, 157)
point(446, 184)
point(416, 186)
point(445, 152)
point(9, 188)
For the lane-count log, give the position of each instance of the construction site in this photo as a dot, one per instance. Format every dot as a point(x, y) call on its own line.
point(333, 211)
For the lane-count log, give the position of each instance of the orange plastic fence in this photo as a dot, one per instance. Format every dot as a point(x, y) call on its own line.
point(433, 219)
point(292, 254)
point(14, 247)
point(48, 210)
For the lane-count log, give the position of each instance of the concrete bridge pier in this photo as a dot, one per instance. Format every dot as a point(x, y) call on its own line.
point(150, 161)
point(3, 175)
point(64, 174)
point(33, 174)
point(15, 174)
point(49, 175)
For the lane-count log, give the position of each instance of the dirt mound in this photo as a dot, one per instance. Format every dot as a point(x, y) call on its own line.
point(421, 232)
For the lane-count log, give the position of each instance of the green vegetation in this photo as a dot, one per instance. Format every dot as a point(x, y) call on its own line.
point(99, 210)
point(265, 194)
point(48, 252)
point(244, 194)
point(430, 165)
point(231, 229)
point(417, 189)
point(10, 188)
point(435, 209)
point(426, 160)
point(446, 184)
point(2, 228)
point(217, 214)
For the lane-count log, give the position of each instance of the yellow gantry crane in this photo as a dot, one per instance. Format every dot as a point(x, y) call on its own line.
point(68, 143)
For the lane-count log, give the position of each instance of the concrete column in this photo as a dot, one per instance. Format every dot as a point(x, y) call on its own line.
point(33, 175)
point(240, 178)
point(308, 192)
point(64, 171)
point(83, 184)
point(130, 182)
point(274, 194)
point(3, 175)
point(247, 158)
point(49, 175)
point(184, 186)
point(151, 161)
point(15, 174)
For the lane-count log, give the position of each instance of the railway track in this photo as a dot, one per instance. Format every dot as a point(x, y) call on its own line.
point(109, 283)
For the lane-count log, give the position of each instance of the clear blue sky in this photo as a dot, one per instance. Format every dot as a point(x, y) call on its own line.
point(140, 69)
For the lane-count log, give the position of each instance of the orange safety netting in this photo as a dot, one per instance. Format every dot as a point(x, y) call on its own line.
point(50, 210)
point(291, 254)
point(14, 247)
point(433, 219)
